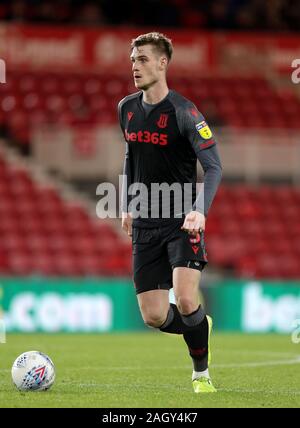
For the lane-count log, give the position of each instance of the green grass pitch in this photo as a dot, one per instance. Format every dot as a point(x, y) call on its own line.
point(152, 369)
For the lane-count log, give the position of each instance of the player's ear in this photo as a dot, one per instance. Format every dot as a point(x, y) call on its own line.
point(163, 62)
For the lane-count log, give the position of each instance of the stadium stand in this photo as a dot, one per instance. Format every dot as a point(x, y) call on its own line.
point(32, 99)
point(42, 233)
point(219, 14)
point(253, 228)
point(247, 234)
point(254, 231)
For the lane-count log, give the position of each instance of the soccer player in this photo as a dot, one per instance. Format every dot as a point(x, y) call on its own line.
point(165, 135)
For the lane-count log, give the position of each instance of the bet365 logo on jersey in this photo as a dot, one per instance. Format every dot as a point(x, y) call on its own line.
point(147, 137)
point(204, 130)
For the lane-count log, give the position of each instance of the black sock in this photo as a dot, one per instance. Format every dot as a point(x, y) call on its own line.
point(194, 328)
point(173, 323)
point(196, 338)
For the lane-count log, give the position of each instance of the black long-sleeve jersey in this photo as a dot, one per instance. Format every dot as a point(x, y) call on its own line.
point(162, 146)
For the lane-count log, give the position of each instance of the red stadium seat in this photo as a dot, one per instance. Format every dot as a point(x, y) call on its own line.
point(20, 263)
point(68, 265)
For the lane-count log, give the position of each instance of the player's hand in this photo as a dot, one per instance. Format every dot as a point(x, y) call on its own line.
point(127, 223)
point(194, 223)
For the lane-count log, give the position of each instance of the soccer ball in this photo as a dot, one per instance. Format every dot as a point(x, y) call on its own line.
point(33, 371)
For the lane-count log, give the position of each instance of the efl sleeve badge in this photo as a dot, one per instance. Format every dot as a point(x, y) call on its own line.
point(204, 130)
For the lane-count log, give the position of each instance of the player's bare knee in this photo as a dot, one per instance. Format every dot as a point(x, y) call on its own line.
point(154, 318)
point(186, 305)
point(154, 321)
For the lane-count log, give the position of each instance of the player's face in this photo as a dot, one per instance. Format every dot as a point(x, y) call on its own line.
point(147, 66)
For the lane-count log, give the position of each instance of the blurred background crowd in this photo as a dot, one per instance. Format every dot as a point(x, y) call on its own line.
point(274, 15)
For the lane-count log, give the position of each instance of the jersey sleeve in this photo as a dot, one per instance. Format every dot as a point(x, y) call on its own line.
point(126, 182)
point(120, 115)
point(194, 127)
point(127, 176)
point(211, 165)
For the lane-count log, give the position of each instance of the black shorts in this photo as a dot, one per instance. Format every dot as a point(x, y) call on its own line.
point(157, 251)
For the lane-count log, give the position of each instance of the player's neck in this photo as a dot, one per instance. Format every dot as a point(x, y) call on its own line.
point(156, 93)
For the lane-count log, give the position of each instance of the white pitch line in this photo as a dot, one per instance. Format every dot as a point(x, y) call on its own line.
point(187, 389)
point(247, 352)
point(259, 363)
point(225, 365)
point(260, 391)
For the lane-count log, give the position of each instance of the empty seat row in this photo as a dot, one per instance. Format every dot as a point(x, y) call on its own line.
point(36, 98)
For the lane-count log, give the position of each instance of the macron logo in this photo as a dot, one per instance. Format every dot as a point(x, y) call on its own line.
point(195, 249)
point(2, 71)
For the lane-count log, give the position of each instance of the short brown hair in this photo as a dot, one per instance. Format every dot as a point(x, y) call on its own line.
point(161, 42)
